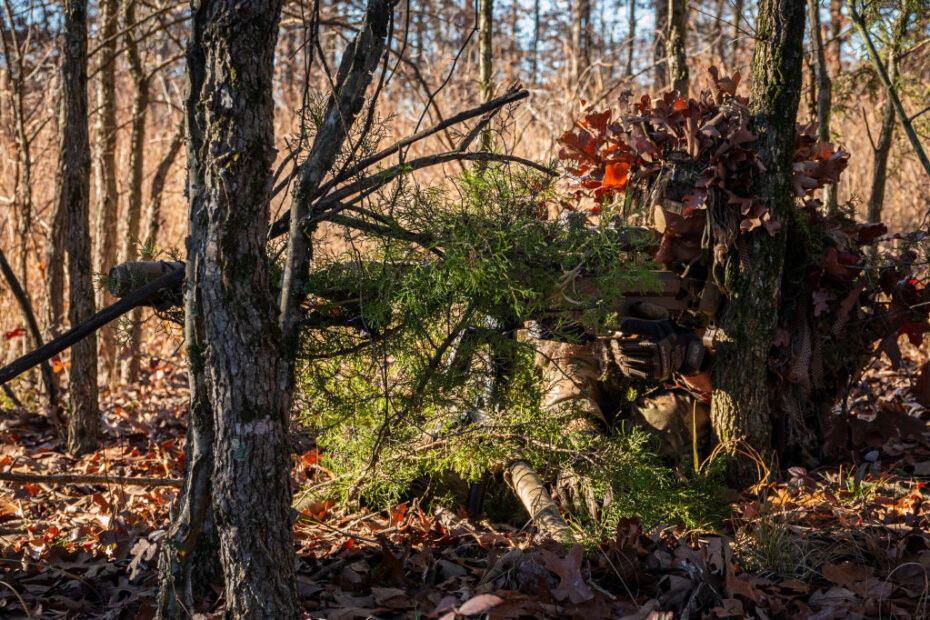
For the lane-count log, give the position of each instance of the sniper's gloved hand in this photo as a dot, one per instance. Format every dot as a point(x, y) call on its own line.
point(655, 349)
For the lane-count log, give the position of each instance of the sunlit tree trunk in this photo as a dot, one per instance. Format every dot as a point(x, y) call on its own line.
point(105, 176)
point(580, 37)
point(239, 347)
point(486, 60)
point(140, 104)
point(676, 42)
point(74, 182)
point(740, 401)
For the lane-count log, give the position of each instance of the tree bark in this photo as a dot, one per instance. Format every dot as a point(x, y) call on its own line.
point(105, 175)
point(238, 344)
point(140, 103)
point(74, 185)
point(883, 145)
point(659, 54)
point(677, 39)
point(740, 400)
point(824, 94)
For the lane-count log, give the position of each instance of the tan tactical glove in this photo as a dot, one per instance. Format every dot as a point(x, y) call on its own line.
point(654, 350)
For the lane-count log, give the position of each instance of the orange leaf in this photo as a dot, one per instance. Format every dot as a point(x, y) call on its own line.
point(616, 175)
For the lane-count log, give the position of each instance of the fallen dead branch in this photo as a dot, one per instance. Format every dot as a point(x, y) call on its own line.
point(89, 479)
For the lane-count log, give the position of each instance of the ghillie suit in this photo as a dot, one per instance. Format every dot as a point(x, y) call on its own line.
point(700, 152)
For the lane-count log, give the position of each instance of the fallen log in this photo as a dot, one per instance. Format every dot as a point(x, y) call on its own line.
point(7, 476)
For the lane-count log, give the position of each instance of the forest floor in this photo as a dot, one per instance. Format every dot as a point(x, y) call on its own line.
point(844, 541)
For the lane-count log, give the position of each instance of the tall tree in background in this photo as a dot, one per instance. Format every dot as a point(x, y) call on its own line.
point(740, 401)
point(486, 60)
point(14, 54)
point(675, 44)
point(660, 54)
point(824, 92)
point(74, 185)
point(535, 49)
point(836, 41)
point(631, 39)
point(105, 174)
point(736, 43)
point(231, 63)
point(133, 213)
point(883, 144)
point(580, 37)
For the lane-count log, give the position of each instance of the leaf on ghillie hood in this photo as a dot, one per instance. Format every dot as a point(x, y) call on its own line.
point(607, 151)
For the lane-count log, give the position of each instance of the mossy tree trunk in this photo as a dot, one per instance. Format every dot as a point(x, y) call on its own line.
point(72, 199)
point(740, 401)
point(233, 336)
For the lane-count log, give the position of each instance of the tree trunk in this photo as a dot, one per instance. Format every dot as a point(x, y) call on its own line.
point(677, 39)
point(140, 104)
point(105, 176)
point(12, 49)
point(737, 34)
point(536, 27)
point(836, 41)
point(659, 54)
point(230, 113)
point(716, 37)
point(74, 182)
point(190, 561)
point(486, 62)
point(740, 401)
point(580, 38)
point(631, 39)
point(883, 145)
point(824, 94)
